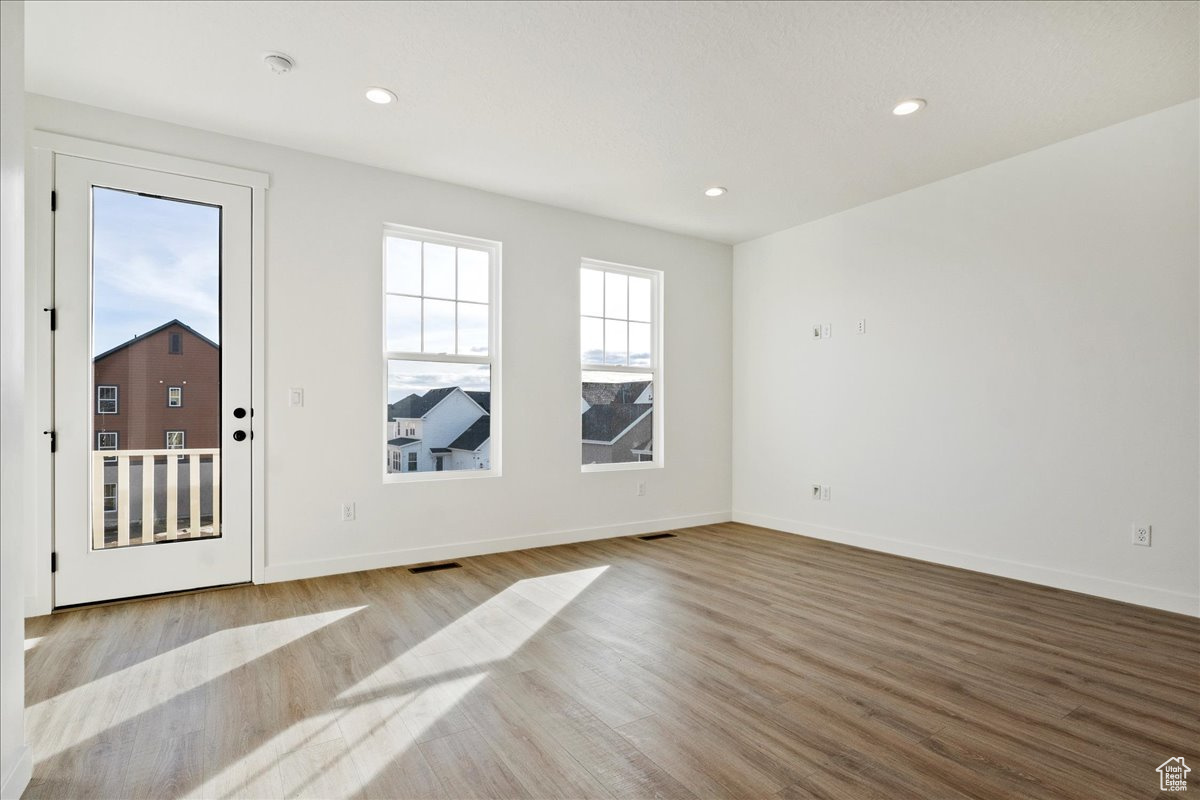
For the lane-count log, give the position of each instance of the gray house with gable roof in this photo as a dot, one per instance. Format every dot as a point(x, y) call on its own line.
point(617, 422)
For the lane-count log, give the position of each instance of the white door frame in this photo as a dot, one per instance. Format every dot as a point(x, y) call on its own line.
point(40, 343)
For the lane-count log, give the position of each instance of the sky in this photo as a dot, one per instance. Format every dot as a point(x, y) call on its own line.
point(153, 260)
point(418, 377)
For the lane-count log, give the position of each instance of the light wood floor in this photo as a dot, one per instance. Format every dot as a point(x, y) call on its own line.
point(729, 661)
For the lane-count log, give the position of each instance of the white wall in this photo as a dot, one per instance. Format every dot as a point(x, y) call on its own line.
point(15, 765)
point(324, 223)
point(1027, 385)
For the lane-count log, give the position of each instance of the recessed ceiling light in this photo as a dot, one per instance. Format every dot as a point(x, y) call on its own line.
point(910, 106)
point(381, 96)
point(279, 63)
point(715, 191)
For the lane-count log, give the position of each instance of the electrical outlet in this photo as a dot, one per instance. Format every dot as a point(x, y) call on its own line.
point(816, 491)
point(824, 492)
point(1141, 534)
point(862, 326)
point(826, 330)
point(641, 489)
point(347, 512)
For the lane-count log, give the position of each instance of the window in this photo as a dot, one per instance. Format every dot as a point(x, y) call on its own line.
point(441, 349)
point(107, 440)
point(176, 344)
point(395, 462)
point(619, 354)
point(106, 399)
point(174, 396)
point(110, 497)
point(175, 440)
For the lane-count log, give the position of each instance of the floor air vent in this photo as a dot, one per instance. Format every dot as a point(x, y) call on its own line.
point(654, 536)
point(435, 567)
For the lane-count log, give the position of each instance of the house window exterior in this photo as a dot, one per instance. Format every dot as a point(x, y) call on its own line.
point(108, 440)
point(440, 354)
point(175, 397)
point(175, 346)
point(620, 356)
point(176, 440)
point(110, 498)
point(107, 400)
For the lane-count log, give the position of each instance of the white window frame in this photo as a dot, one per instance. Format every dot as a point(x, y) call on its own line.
point(110, 499)
point(654, 370)
point(182, 440)
point(116, 398)
point(492, 359)
point(171, 389)
point(411, 464)
point(116, 444)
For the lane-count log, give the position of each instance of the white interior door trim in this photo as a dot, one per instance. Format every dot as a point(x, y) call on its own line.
point(39, 342)
point(145, 159)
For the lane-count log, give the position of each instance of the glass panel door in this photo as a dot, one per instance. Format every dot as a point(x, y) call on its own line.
point(151, 382)
point(156, 341)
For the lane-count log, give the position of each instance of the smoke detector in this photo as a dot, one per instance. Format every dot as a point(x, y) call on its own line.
point(279, 63)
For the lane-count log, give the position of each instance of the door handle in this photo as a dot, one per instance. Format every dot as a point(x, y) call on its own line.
point(239, 436)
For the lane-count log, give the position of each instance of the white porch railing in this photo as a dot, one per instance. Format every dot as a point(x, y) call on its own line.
point(122, 464)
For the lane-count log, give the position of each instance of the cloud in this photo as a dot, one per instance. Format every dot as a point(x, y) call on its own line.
point(418, 377)
point(155, 260)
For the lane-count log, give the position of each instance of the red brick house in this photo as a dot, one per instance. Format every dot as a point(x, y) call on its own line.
point(160, 390)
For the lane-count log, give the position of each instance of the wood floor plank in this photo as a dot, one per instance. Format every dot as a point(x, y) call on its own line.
point(622, 769)
point(526, 744)
point(727, 661)
point(471, 770)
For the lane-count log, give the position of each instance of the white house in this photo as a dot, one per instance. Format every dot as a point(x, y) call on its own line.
point(443, 429)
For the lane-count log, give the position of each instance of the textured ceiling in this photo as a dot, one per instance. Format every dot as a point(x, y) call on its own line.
point(629, 110)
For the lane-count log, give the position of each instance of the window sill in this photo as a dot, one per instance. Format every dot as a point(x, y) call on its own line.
point(621, 467)
point(445, 475)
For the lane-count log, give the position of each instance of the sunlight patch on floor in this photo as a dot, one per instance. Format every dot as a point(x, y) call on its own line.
point(92, 708)
point(418, 694)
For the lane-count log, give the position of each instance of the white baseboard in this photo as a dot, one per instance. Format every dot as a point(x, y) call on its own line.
point(1137, 594)
point(18, 777)
point(295, 570)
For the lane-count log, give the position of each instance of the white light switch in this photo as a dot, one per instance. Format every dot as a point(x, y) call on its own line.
point(296, 398)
